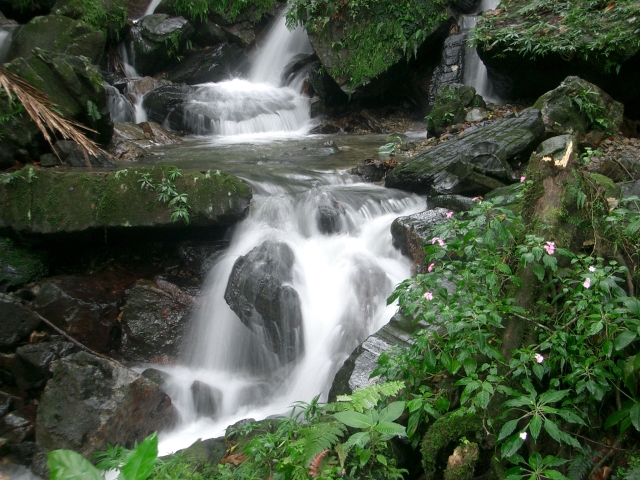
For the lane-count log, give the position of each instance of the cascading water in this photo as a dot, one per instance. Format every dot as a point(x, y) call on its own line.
point(121, 108)
point(475, 72)
point(260, 104)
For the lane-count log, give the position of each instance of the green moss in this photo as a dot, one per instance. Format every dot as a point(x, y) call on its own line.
point(605, 184)
point(589, 30)
point(367, 36)
point(444, 431)
point(18, 265)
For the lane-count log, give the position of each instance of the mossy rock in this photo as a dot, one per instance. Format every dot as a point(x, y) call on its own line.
point(109, 16)
point(605, 185)
point(449, 108)
point(577, 106)
point(59, 34)
point(444, 431)
point(54, 202)
point(19, 265)
point(72, 83)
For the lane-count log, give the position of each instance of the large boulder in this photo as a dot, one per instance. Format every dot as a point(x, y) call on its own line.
point(16, 322)
point(130, 140)
point(31, 365)
point(157, 40)
point(85, 307)
point(111, 19)
point(154, 320)
point(58, 34)
point(450, 70)
point(72, 83)
point(54, 202)
point(449, 108)
point(91, 402)
point(166, 105)
point(210, 65)
point(259, 292)
point(19, 265)
point(577, 106)
point(473, 163)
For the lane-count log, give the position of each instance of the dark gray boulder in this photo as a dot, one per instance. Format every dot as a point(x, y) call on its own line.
point(450, 70)
point(154, 319)
point(210, 65)
point(208, 33)
point(92, 401)
point(71, 156)
point(474, 163)
point(330, 215)
point(59, 34)
point(199, 256)
point(16, 321)
point(165, 105)
point(456, 203)
point(18, 425)
point(207, 400)
point(156, 40)
point(84, 307)
point(260, 294)
point(32, 362)
point(409, 234)
point(156, 376)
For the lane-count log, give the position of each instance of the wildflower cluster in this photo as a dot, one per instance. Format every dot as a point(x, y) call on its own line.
point(582, 338)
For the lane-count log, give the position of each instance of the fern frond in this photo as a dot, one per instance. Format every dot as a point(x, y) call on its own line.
point(315, 464)
point(318, 437)
point(366, 398)
point(579, 467)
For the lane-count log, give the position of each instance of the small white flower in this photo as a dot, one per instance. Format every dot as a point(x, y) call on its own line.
point(523, 435)
point(539, 358)
point(592, 269)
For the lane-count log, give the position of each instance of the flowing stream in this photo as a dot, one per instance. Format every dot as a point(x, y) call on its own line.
point(342, 277)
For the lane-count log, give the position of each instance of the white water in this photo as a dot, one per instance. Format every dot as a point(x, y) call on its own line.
point(119, 106)
point(343, 280)
point(475, 72)
point(5, 41)
point(152, 7)
point(260, 104)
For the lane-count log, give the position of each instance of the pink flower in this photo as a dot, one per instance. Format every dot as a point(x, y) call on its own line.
point(476, 199)
point(430, 267)
point(550, 247)
point(522, 179)
point(587, 283)
point(428, 296)
point(539, 358)
point(449, 215)
point(437, 240)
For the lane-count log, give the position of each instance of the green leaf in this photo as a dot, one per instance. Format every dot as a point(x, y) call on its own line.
point(482, 399)
point(553, 430)
point(69, 465)
point(470, 365)
point(387, 148)
point(391, 428)
point(624, 339)
point(555, 475)
point(353, 419)
point(382, 459)
point(538, 271)
point(550, 262)
point(616, 417)
point(634, 414)
point(391, 412)
point(361, 439)
point(365, 455)
point(508, 428)
point(553, 396)
point(141, 460)
point(511, 446)
point(535, 425)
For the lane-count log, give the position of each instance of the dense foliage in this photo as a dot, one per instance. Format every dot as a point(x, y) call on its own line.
point(602, 32)
point(227, 9)
point(368, 35)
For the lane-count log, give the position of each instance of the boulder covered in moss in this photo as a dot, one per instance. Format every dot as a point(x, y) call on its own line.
point(59, 34)
point(474, 163)
point(57, 202)
point(577, 106)
point(19, 265)
point(110, 16)
point(449, 108)
point(72, 83)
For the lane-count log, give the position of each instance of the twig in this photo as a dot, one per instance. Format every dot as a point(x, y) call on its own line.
point(604, 459)
point(69, 337)
point(610, 447)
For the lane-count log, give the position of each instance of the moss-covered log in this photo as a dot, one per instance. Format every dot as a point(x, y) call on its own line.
point(46, 201)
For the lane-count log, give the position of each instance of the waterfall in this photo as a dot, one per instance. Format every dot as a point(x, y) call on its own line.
point(342, 281)
point(5, 42)
point(475, 72)
point(260, 104)
point(122, 108)
point(152, 7)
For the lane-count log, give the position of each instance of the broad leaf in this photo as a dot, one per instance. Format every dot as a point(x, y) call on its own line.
point(508, 428)
point(624, 339)
point(69, 465)
point(535, 425)
point(538, 270)
point(511, 446)
point(360, 439)
point(391, 428)
point(391, 412)
point(141, 460)
point(634, 414)
point(353, 419)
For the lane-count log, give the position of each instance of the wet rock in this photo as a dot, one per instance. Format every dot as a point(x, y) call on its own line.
point(623, 167)
point(456, 203)
point(6, 366)
point(71, 155)
point(474, 163)
point(11, 399)
point(449, 108)
point(156, 376)
point(73, 83)
point(209, 33)
point(154, 319)
point(143, 85)
point(410, 233)
point(84, 307)
point(374, 170)
point(32, 362)
point(210, 65)
point(130, 141)
point(562, 111)
point(17, 321)
point(49, 160)
point(259, 293)
point(241, 34)
point(92, 401)
point(450, 70)
point(86, 200)
point(297, 64)
point(19, 425)
point(465, 6)
point(476, 115)
point(58, 34)
point(206, 452)
point(157, 39)
point(19, 265)
point(165, 105)
point(326, 87)
point(206, 399)
point(199, 256)
point(120, 107)
point(330, 216)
